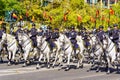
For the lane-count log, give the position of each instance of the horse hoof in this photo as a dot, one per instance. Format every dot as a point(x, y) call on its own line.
point(97, 71)
point(67, 69)
point(88, 70)
point(48, 66)
point(77, 67)
point(9, 63)
point(24, 65)
point(81, 66)
point(53, 66)
point(108, 72)
point(37, 68)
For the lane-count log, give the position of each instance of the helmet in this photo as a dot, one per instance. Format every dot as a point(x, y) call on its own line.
point(33, 24)
point(72, 27)
point(49, 27)
point(115, 25)
point(56, 29)
point(101, 27)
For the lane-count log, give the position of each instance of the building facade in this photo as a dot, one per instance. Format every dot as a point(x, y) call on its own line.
point(106, 3)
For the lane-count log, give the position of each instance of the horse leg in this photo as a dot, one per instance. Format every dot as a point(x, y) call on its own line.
point(25, 58)
point(68, 62)
point(80, 61)
point(13, 56)
point(9, 58)
point(56, 56)
point(99, 62)
point(1, 60)
point(93, 63)
point(39, 61)
point(48, 60)
point(108, 65)
point(60, 60)
point(35, 54)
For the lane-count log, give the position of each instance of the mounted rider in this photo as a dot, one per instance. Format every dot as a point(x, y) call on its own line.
point(40, 32)
point(109, 31)
point(115, 36)
point(48, 36)
point(67, 32)
point(19, 30)
point(72, 37)
point(85, 36)
point(55, 36)
point(101, 34)
point(33, 33)
point(26, 31)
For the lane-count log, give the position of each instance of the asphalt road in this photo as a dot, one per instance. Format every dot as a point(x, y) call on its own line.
point(17, 72)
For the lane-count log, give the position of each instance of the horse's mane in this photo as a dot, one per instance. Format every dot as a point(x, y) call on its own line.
point(10, 36)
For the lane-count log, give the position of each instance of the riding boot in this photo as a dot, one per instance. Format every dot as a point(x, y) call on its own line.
point(104, 55)
point(75, 53)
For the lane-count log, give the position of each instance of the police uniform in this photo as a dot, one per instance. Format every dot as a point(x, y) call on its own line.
point(48, 36)
point(26, 31)
point(16, 37)
point(86, 40)
point(55, 35)
point(67, 32)
point(109, 32)
point(115, 36)
point(1, 33)
point(33, 33)
point(73, 40)
point(18, 31)
point(100, 34)
point(40, 33)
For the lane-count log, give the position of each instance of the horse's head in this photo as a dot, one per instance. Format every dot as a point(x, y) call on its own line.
point(20, 37)
point(105, 42)
point(4, 37)
point(40, 40)
point(62, 39)
point(93, 40)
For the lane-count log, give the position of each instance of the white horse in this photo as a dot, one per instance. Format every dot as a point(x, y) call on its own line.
point(59, 52)
point(12, 46)
point(68, 50)
point(97, 51)
point(111, 52)
point(44, 50)
point(1, 50)
point(26, 43)
point(85, 51)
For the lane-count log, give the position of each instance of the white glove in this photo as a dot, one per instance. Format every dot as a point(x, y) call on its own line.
point(69, 37)
point(111, 37)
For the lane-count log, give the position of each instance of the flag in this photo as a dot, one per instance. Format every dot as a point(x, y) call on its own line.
point(107, 20)
point(92, 19)
point(79, 18)
point(14, 15)
point(27, 13)
point(112, 11)
point(44, 14)
point(97, 13)
point(50, 17)
point(103, 17)
point(21, 17)
point(65, 15)
point(33, 18)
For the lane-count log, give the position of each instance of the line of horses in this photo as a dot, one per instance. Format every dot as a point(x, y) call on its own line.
point(98, 54)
